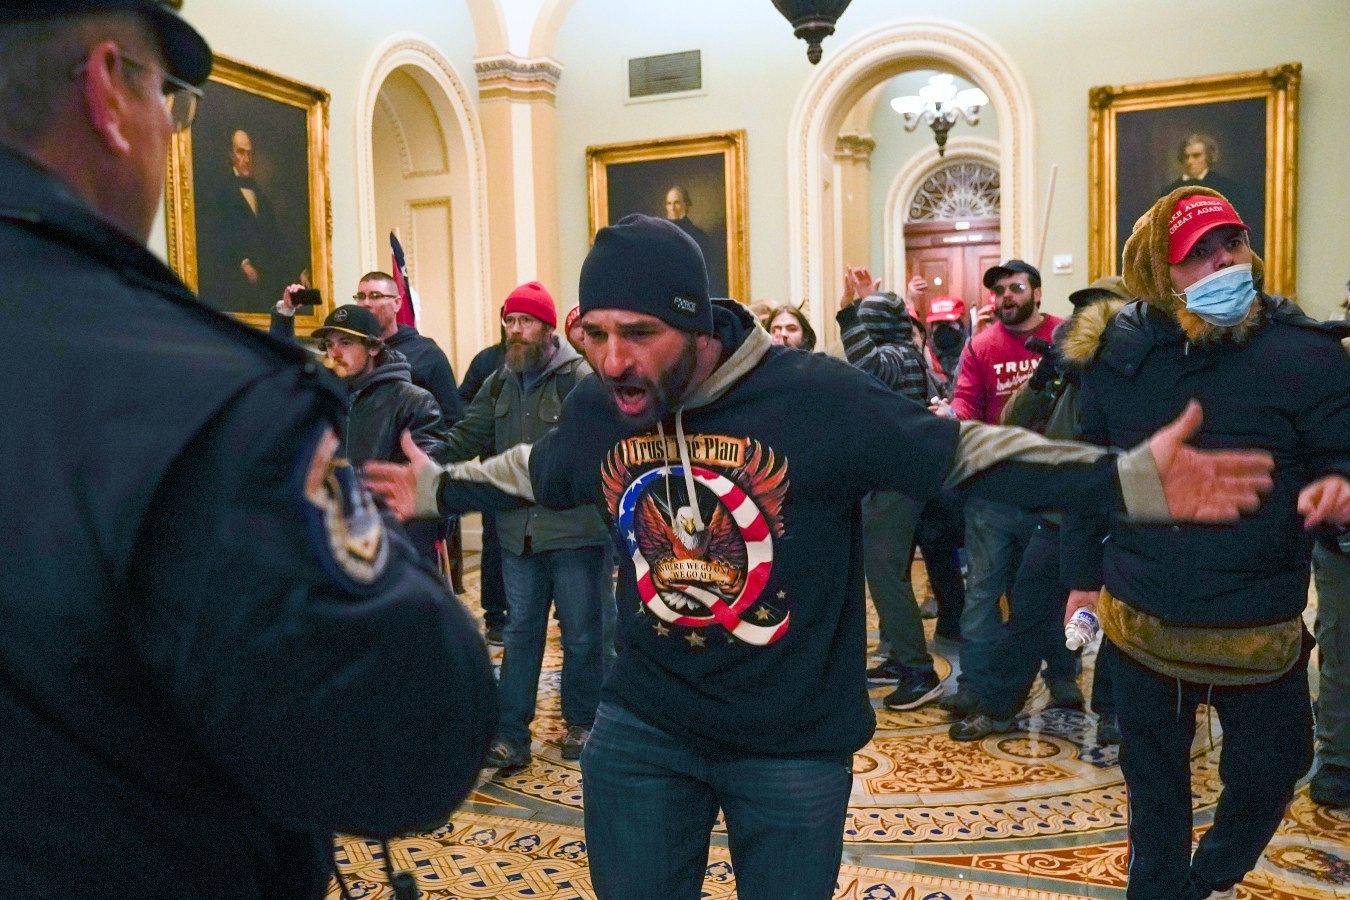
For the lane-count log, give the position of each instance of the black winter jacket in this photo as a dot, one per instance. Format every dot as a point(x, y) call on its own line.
point(430, 370)
point(1287, 390)
point(195, 687)
point(382, 405)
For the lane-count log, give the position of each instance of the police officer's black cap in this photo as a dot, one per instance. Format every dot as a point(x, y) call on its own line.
point(353, 320)
point(187, 56)
point(1012, 267)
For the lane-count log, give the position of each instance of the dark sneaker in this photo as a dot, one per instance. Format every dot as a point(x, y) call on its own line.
point(1331, 786)
point(506, 755)
point(889, 670)
point(960, 704)
point(977, 726)
point(914, 689)
point(1065, 694)
point(493, 635)
point(1108, 731)
point(573, 741)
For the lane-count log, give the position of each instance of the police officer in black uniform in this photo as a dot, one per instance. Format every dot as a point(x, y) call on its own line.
point(213, 652)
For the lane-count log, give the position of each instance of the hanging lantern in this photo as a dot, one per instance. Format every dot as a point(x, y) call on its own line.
point(812, 21)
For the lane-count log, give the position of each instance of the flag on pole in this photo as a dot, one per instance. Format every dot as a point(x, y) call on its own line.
point(407, 315)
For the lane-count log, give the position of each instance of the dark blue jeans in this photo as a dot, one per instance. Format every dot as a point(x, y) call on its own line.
point(651, 802)
point(577, 581)
point(1034, 630)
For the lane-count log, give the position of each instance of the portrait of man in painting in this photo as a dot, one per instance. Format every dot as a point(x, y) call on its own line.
point(250, 165)
point(689, 191)
point(1219, 145)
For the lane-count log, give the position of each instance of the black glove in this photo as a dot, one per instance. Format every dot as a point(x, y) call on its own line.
point(1046, 372)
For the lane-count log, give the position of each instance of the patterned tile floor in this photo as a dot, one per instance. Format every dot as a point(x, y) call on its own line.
point(1038, 813)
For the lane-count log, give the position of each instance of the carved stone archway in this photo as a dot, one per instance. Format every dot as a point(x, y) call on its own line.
point(842, 79)
point(470, 320)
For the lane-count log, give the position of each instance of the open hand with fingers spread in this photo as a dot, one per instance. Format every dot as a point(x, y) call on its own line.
point(1207, 485)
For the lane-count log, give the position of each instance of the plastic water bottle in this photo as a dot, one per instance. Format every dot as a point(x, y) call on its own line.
point(1081, 629)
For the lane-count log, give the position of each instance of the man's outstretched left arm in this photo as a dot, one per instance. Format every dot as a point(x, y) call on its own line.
point(1163, 479)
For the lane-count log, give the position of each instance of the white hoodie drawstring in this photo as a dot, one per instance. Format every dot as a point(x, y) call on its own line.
point(688, 471)
point(682, 446)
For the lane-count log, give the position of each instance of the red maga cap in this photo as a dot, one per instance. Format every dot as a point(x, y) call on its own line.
point(1192, 218)
point(946, 309)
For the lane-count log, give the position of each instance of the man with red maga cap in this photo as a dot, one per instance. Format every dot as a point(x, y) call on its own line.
point(1197, 615)
point(549, 556)
point(732, 472)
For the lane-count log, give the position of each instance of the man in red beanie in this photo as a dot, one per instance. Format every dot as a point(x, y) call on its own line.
point(548, 556)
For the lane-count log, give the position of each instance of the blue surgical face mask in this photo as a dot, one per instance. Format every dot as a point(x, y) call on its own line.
point(1224, 297)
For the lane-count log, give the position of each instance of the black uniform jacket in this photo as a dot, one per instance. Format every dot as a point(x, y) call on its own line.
point(207, 663)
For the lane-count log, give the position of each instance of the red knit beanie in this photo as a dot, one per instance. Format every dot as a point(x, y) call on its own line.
point(532, 299)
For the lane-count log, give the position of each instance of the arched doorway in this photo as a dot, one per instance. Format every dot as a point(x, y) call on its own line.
point(841, 81)
point(943, 219)
point(907, 183)
point(420, 168)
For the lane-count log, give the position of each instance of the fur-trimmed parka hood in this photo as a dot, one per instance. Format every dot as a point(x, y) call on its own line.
point(1147, 276)
point(1084, 329)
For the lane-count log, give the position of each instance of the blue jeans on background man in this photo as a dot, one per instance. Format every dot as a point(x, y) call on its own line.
point(651, 801)
point(996, 537)
point(577, 580)
point(1034, 630)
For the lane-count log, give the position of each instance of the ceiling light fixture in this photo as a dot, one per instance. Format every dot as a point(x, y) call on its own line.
point(813, 21)
point(938, 105)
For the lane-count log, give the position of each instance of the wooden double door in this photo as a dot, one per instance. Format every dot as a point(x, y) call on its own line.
point(953, 257)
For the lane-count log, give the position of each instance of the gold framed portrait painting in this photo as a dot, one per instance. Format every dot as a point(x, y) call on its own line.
point(1235, 133)
point(698, 182)
point(247, 208)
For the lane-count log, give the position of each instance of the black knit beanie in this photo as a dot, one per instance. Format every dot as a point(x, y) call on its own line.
point(651, 266)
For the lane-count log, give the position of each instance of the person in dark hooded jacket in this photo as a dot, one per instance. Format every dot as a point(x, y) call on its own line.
point(1209, 615)
point(382, 401)
point(878, 336)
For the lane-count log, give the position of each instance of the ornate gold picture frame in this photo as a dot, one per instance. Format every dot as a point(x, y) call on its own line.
point(1242, 128)
point(697, 181)
point(246, 205)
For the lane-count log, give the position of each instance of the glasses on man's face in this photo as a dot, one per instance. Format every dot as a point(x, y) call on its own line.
point(362, 296)
point(180, 98)
point(1015, 287)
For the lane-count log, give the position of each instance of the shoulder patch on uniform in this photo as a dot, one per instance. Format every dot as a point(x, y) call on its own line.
point(348, 534)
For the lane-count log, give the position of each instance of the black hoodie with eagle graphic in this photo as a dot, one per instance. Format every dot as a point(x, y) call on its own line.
point(739, 518)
